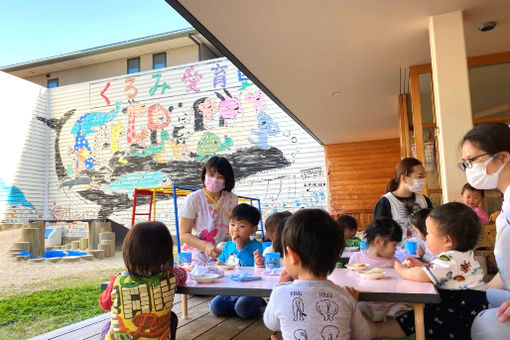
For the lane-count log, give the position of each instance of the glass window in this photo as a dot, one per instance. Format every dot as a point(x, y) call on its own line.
point(133, 65)
point(52, 83)
point(159, 60)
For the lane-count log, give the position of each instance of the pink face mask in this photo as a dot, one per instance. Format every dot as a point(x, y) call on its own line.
point(213, 184)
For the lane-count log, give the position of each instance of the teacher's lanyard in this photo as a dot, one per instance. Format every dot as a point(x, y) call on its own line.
point(216, 203)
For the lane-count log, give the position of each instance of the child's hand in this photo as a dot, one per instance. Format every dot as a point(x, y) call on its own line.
point(420, 252)
point(353, 292)
point(411, 262)
point(259, 259)
point(238, 241)
point(284, 277)
point(399, 267)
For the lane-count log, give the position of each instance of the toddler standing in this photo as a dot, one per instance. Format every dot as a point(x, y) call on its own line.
point(473, 198)
point(244, 252)
point(452, 232)
point(311, 306)
point(383, 235)
point(141, 299)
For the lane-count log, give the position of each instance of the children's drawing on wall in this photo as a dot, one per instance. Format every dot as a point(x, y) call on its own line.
point(163, 137)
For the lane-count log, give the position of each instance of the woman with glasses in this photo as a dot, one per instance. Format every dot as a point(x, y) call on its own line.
point(403, 197)
point(486, 161)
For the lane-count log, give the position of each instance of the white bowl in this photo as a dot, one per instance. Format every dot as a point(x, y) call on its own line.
point(351, 249)
point(355, 266)
point(369, 276)
point(205, 278)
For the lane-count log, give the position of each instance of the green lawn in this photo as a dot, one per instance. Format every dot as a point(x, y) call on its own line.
point(26, 315)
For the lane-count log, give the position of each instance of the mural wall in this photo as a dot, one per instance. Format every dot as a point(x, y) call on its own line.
point(158, 128)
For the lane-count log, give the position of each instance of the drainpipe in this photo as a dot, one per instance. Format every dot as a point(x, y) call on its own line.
point(199, 46)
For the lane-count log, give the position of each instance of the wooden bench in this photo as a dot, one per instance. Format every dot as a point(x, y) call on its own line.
point(200, 325)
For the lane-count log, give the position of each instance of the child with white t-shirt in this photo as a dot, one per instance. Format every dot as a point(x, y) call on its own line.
point(312, 307)
point(452, 232)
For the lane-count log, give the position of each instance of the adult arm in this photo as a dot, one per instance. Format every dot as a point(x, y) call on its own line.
point(185, 228)
point(382, 208)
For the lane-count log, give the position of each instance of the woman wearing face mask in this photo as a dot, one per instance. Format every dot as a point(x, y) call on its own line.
point(486, 160)
point(403, 198)
point(205, 214)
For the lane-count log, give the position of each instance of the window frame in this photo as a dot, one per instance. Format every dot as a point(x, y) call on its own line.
point(139, 65)
point(51, 80)
point(154, 61)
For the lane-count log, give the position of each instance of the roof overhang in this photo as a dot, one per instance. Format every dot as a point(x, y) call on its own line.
point(334, 65)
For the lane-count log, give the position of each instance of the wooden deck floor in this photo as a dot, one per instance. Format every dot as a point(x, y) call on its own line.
point(200, 324)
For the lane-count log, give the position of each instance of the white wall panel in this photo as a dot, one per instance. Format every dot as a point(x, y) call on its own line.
point(24, 143)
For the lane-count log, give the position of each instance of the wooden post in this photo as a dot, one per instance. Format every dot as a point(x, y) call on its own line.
point(96, 227)
point(75, 245)
point(41, 227)
point(32, 235)
point(84, 243)
point(19, 246)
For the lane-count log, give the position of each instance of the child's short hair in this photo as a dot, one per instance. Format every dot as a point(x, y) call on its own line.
point(460, 222)
point(148, 249)
point(347, 221)
point(221, 165)
point(273, 221)
point(245, 212)
point(468, 186)
point(316, 238)
point(384, 227)
point(277, 243)
point(418, 220)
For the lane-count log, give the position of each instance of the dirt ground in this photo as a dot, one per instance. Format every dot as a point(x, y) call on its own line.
point(22, 276)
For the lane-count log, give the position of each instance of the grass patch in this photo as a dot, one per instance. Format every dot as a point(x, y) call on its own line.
point(27, 315)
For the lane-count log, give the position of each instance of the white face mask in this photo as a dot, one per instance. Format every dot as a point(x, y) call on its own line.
point(418, 185)
point(478, 178)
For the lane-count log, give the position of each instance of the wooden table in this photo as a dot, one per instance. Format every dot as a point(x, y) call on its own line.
point(391, 288)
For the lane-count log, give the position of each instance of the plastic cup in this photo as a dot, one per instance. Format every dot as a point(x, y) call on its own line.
point(272, 260)
point(411, 247)
point(184, 258)
point(363, 245)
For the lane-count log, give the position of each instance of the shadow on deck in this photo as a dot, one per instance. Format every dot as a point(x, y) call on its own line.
point(200, 324)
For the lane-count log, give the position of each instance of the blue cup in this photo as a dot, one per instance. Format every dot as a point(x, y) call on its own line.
point(363, 245)
point(411, 247)
point(184, 258)
point(272, 260)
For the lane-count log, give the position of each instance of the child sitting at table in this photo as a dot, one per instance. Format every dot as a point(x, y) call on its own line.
point(418, 224)
point(473, 197)
point(240, 251)
point(135, 297)
point(349, 226)
point(312, 307)
point(383, 235)
point(452, 232)
point(271, 227)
